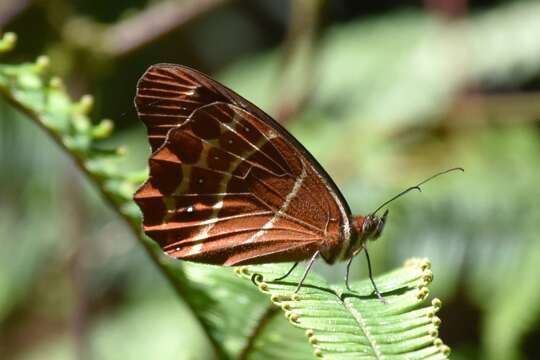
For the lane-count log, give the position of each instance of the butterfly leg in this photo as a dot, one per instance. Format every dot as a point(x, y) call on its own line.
point(377, 292)
point(347, 273)
point(349, 269)
point(287, 274)
point(308, 267)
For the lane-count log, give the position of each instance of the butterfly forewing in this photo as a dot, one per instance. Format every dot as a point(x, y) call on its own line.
point(227, 184)
point(167, 95)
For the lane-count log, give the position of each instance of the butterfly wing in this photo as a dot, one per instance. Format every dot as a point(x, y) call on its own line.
point(167, 94)
point(228, 185)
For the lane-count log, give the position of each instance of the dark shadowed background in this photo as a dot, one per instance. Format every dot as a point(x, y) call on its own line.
point(383, 93)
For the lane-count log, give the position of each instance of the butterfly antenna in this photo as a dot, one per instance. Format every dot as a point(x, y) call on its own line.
point(416, 187)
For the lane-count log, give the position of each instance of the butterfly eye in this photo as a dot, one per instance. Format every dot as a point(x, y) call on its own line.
point(367, 225)
point(378, 230)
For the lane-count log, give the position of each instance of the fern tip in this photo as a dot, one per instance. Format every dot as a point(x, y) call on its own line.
point(42, 63)
point(8, 41)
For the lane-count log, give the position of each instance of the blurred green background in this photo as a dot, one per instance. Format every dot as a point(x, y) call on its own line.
point(383, 93)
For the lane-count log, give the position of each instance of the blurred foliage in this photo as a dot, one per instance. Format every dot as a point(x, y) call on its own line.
point(395, 94)
point(231, 313)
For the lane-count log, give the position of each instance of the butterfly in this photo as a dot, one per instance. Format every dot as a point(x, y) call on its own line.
point(228, 185)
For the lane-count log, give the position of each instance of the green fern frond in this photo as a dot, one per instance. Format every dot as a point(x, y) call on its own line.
point(344, 325)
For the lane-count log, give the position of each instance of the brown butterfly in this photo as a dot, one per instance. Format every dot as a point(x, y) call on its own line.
point(228, 185)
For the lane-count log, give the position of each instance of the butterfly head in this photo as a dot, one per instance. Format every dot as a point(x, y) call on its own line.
point(367, 228)
point(372, 226)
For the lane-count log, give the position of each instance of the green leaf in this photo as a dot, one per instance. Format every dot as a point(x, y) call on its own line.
point(344, 325)
point(229, 306)
point(275, 338)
